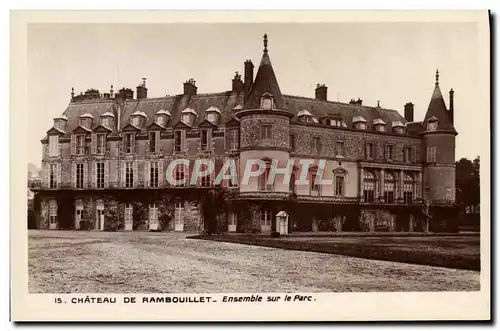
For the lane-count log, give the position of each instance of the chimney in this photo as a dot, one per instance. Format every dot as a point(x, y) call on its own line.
point(452, 106)
point(409, 112)
point(238, 85)
point(321, 92)
point(142, 91)
point(125, 93)
point(190, 87)
point(248, 76)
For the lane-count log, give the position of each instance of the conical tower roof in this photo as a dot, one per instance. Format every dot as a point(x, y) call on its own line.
point(437, 109)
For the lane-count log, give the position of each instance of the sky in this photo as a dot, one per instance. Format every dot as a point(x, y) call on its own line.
point(391, 62)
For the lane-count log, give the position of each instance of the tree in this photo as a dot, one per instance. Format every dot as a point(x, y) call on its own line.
point(467, 183)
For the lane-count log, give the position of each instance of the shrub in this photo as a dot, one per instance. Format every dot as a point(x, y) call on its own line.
point(275, 234)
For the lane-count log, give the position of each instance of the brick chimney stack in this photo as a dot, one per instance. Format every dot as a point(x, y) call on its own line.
point(321, 92)
point(248, 76)
point(142, 91)
point(238, 85)
point(409, 112)
point(190, 87)
point(452, 106)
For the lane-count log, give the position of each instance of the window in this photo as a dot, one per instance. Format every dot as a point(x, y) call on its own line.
point(305, 119)
point(313, 184)
point(265, 217)
point(105, 121)
point(448, 194)
point(204, 140)
point(100, 175)
point(128, 142)
point(340, 148)
point(101, 143)
point(380, 127)
point(179, 217)
point(80, 144)
point(186, 118)
point(79, 175)
point(178, 141)
point(431, 154)
point(53, 212)
point(315, 145)
point(292, 142)
point(53, 176)
point(129, 175)
point(53, 145)
point(153, 174)
point(153, 141)
point(128, 216)
point(179, 175)
point(266, 132)
point(135, 121)
point(408, 188)
point(389, 152)
point(160, 120)
point(211, 117)
point(233, 139)
point(369, 150)
point(408, 154)
point(339, 185)
point(360, 126)
point(266, 103)
point(389, 187)
point(368, 186)
point(153, 216)
point(432, 125)
point(263, 179)
point(206, 181)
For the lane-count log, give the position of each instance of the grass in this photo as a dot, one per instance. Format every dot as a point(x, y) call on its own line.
point(460, 252)
point(142, 262)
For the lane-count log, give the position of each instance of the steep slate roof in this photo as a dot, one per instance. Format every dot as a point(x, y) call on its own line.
point(437, 108)
point(94, 107)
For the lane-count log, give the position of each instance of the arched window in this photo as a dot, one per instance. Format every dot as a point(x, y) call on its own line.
point(408, 188)
point(389, 187)
point(266, 101)
point(432, 124)
point(368, 186)
point(264, 184)
point(339, 176)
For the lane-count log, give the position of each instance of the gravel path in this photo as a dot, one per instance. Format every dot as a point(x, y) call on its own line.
point(142, 262)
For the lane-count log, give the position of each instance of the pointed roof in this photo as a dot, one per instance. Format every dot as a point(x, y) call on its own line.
point(265, 82)
point(437, 108)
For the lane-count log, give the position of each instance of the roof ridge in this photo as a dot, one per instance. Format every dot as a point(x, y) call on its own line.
point(338, 103)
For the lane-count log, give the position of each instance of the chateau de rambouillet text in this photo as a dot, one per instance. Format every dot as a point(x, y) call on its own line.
point(350, 167)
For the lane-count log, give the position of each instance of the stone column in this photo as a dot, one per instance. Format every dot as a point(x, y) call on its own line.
point(381, 192)
point(411, 225)
point(314, 224)
point(361, 183)
point(338, 223)
point(426, 224)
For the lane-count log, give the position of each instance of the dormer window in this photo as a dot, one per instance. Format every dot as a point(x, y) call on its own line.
point(266, 101)
point(379, 125)
point(60, 122)
point(107, 119)
point(162, 117)
point(86, 120)
point(359, 122)
point(188, 115)
point(398, 127)
point(54, 145)
point(305, 116)
point(135, 121)
point(432, 124)
point(138, 118)
point(212, 114)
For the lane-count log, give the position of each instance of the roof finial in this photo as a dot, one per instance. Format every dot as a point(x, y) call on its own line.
point(72, 93)
point(378, 103)
point(265, 43)
point(437, 77)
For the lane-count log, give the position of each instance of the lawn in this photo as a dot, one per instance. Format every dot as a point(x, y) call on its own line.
point(451, 251)
point(142, 262)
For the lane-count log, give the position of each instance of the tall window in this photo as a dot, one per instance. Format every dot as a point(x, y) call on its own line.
point(389, 155)
point(339, 185)
point(153, 143)
point(265, 217)
point(292, 142)
point(431, 154)
point(266, 132)
point(153, 216)
point(129, 174)
point(180, 175)
point(153, 174)
point(204, 140)
point(211, 117)
point(369, 151)
point(206, 181)
point(447, 195)
point(53, 175)
point(233, 139)
point(263, 179)
point(53, 212)
point(408, 188)
point(79, 175)
point(101, 143)
point(315, 145)
point(408, 154)
point(340, 148)
point(100, 174)
point(80, 144)
point(369, 186)
point(178, 141)
point(432, 125)
point(313, 184)
point(128, 142)
point(53, 145)
point(389, 187)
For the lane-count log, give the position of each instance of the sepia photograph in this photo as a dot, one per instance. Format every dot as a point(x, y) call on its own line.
point(243, 158)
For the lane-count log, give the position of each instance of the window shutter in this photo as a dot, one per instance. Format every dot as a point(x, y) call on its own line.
point(106, 173)
point(123, 174)
point(85, 174)
point(73, 174)
point(227, 143)
point(135, 173)
point(209, 139)
point(123, 142)
point(183, 141)
point(93, 143)
point(160, 173)
point(47, 175)
point(147, 172)
point(132, 144)
point(94, 174)
point(157, 141)
point(73, 144)
point(58, 184)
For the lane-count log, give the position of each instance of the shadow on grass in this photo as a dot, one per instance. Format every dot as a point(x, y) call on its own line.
point(365, 250)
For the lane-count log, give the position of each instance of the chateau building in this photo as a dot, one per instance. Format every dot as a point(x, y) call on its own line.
point(388, 172)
